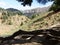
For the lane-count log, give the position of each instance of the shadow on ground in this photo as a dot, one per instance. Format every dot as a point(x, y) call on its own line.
point(37, 40)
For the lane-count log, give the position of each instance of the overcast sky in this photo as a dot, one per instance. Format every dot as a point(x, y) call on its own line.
point(14, 4)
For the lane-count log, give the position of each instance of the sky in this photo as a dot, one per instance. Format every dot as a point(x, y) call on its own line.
point(17, 5)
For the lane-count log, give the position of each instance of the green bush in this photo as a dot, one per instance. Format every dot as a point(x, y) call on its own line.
point(35, 15)
point(21, 24)
point(10, 23)
point(55, 6)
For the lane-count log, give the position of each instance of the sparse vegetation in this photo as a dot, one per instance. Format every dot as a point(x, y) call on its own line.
point(42, 21)
point(11, 21)
point(38, 21)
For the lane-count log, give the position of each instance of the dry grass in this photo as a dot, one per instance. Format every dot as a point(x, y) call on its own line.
point(12, 24)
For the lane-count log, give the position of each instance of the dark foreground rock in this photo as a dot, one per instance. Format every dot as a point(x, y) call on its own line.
point(39, 37)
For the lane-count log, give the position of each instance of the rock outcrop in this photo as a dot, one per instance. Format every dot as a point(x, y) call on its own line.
point(49, 36)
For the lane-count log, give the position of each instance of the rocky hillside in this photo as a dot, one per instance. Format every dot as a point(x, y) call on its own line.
point(11, 21)
point(43, 21)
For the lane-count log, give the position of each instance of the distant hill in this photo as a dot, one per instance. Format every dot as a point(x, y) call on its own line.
point(12, 9)
point(36, 11)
